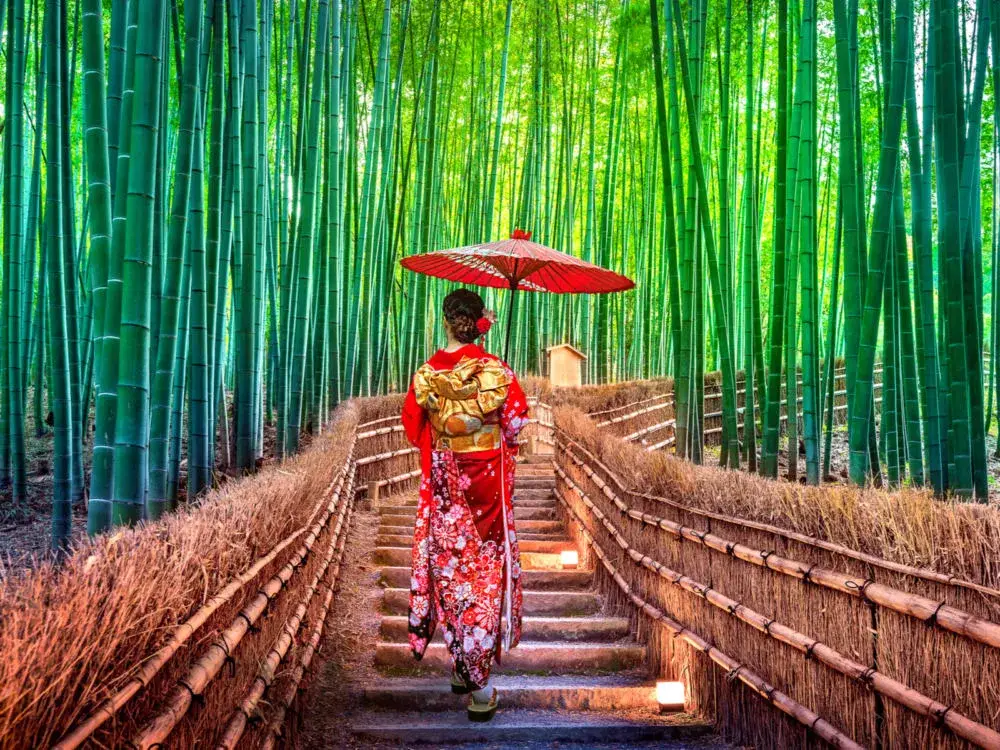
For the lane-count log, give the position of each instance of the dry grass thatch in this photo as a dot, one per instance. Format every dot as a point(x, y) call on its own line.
point(906, 527)
point(73, 634)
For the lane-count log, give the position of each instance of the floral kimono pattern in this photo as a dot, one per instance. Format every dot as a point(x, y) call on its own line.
point(464, 411)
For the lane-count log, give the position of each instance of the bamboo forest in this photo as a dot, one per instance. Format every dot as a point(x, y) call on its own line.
point(205, 203)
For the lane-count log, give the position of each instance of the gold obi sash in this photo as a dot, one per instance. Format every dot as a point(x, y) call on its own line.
point(463, 403)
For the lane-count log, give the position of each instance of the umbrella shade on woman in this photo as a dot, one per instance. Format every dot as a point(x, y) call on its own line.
point(464, 410)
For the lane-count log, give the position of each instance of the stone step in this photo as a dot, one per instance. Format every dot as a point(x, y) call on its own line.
point(529, 560)
point(533, 656)
point(532, 497)
point(525, 525)
point(527, 483)
point(403, 531)
point(540, 728)
point(538, 459)
point(552, 603)
point(398, 577)
point(564, 693)
point(520, 512)
point(597, 629)
point(529, 542)
point(535, 470)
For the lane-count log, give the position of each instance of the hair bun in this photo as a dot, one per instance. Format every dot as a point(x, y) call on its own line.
point(463, 309)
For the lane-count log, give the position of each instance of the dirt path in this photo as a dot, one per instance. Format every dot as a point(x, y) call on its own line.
point(348, 646)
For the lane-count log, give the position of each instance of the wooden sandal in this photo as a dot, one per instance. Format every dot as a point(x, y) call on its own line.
point(458, 686)
point(483, 711)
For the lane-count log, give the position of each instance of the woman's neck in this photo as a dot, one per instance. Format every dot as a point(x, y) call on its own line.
point(453, 345)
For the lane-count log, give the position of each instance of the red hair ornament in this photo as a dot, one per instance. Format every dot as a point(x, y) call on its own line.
point(484, 323)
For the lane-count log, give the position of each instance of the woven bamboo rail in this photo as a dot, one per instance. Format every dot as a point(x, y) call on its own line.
point(277, 723)
point(938, 614)
point(962, 726)
point(205, 669)
point(647, 430)
point(734, 670)
point(386, 456)
point(713, 394)
point(571, 446)
point(108, 708)
point(629, 405)
point(269, 667)
point(381, 431)
point(372, 423)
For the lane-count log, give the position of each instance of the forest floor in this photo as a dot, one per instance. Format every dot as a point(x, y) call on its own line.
point(840, 461)
point(26, 531)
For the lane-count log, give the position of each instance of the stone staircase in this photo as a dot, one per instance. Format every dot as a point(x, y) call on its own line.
point(578, 675)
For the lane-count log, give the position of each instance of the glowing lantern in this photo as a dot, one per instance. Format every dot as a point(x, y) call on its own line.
point(569, 558)
point(670, 695)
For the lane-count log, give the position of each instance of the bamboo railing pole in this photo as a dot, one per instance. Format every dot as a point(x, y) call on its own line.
point(380, 431)
point(204, 670)
point(265, 676)
point(630, 405)
point(838, 549)
point(646, 430)
point(372, 423)
point(808, 718)
point(919, 607)
point(632, 415)
point(385, 456)
point(961, 725)
point(183, 632)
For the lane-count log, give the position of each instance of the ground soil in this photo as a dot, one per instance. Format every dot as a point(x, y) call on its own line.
point(25, 530)
point(348, 648)
point(840, 461)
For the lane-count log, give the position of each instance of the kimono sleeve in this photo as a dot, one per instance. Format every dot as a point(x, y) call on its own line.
point(415, 422)
point(514, 415)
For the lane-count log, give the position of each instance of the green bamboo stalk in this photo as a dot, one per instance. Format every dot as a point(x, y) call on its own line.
point(132, 418)
point(15, 249)
point(859, 430)
point(60, 400)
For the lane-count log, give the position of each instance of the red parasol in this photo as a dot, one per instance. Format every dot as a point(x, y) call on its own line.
point(518, 263)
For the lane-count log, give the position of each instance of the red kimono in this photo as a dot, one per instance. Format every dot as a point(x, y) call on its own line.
point(464, 411)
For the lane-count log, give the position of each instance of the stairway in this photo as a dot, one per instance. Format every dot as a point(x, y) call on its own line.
point(577, 675)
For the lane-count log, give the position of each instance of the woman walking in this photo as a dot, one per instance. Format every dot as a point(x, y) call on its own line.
point(464, 411)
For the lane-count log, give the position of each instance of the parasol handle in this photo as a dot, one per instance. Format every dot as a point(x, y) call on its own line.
point(510, 321)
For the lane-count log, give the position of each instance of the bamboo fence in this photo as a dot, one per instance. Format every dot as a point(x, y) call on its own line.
point(198, 629)
point(888, 653)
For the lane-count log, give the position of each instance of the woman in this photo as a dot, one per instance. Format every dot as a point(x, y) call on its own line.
point(464, 411)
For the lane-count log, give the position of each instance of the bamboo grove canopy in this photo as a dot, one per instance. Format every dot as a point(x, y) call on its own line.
point(204, 202)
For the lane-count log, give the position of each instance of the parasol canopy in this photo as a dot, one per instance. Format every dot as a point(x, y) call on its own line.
point(518, 263)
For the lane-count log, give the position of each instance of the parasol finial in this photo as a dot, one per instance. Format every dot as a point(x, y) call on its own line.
point(520, 234)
